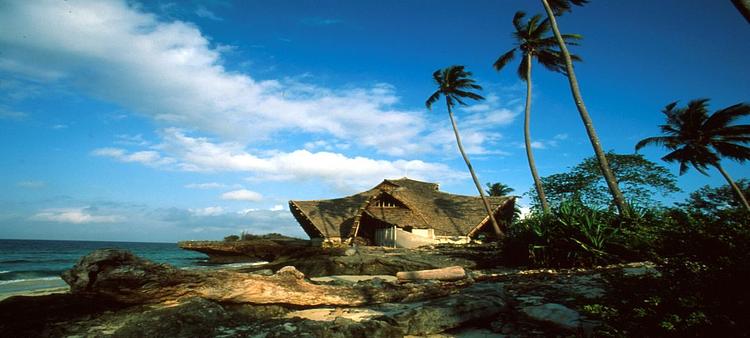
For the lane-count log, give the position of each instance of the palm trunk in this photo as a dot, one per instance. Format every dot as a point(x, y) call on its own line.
point(527, 139)
point(609, 177)
point(734, 186)
point(487, 207)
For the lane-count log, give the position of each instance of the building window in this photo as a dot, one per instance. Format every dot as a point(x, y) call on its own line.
point(385, 204)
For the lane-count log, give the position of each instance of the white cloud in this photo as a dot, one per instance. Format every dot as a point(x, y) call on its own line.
point(131, 140)
point(242, 195)
point(168, 70)
point(277, 207)
point(538, 145)
point(208, 211)
point(546, 144)
point(59, 126)
point(205, 186)
point(74, 215)
point(147, 157)
point(202, 155)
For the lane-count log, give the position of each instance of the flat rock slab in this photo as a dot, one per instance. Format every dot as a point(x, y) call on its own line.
point(557, 314)
point(330, 314)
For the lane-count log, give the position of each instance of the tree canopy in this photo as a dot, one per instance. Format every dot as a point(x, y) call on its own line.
point(498, 189)
point(639, 178)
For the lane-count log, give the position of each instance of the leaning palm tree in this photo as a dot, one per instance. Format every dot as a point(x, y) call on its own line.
point(700, 140)
point(558, 7)
point(456, 85)
point(534, 41)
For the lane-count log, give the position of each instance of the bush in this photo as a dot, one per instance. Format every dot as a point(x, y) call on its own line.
point(571, 235)
point(231, 238)
point(702, 251)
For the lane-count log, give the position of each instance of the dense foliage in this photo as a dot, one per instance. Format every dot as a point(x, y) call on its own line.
point(701, 248)
point(639, 178)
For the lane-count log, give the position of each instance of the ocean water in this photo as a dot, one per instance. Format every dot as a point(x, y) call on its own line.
point(34, 265)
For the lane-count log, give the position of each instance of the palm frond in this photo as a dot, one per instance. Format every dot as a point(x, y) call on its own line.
point(504, 59)
point(559, 7)
point(543, 28)
point(722, 118)
point(666, 141)
point(458, 99)
point(551, 60)
point(533, 24)
point(437, 77)
point(741, 130)
point(572, 39)
point(432, 99)
point(517, 20)
point(669, 108)
point(732, 151)
point(471, 95)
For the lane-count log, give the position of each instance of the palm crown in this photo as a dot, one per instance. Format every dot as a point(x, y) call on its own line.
point(533, 38)
point(455, 84)
point(699, 139)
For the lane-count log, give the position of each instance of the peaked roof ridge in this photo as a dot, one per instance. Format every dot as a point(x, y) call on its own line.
point(409, 183)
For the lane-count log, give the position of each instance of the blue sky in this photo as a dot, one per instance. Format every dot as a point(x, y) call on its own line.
point(163, 121)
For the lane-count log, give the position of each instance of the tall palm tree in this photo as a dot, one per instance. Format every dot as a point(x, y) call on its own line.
point(456, 85)
point(558, 7)
point(534, 41)
point(700, 140)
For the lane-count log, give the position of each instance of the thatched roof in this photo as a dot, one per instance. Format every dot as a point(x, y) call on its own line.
point(420, 205)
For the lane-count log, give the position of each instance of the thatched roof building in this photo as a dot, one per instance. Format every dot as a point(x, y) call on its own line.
point(400, 212)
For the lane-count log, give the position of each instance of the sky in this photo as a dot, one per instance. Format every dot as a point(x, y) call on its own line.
point(176, 120)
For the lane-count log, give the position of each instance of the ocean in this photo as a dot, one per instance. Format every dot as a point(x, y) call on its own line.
point(29, 266)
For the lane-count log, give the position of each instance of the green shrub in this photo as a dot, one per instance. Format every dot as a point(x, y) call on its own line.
point(573, 234)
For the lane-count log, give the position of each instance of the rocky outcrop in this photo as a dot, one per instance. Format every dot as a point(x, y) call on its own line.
point(124, 277)
point(316, 261)
point(121, 276)
point(367, 261)
point(114, 293)
point(250, 250)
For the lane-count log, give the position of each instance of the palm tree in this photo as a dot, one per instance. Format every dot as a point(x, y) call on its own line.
point(700, 140)
point(456, 85)
point(534, 42)
point(498, 189)
point(558, 7)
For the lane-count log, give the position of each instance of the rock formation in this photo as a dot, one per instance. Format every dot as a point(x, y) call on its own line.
point(122, 276)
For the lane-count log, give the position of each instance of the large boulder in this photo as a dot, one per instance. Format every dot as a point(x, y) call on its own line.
point(123, 276)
